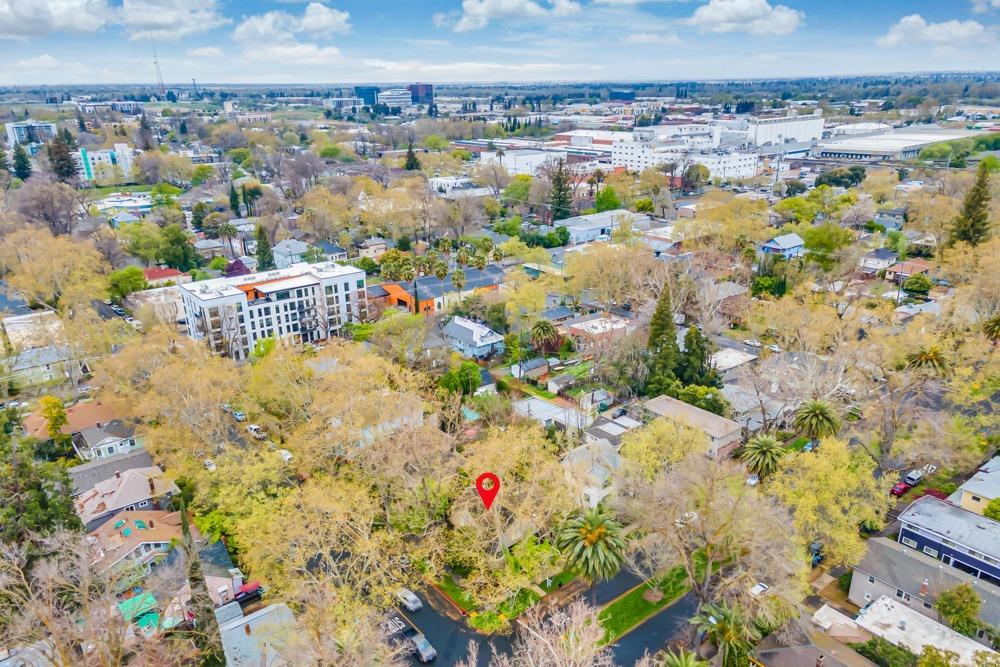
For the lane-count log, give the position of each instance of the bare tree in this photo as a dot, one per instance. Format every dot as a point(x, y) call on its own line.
point(55, 204)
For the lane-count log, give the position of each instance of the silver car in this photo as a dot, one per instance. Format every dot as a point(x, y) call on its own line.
point(409, 599)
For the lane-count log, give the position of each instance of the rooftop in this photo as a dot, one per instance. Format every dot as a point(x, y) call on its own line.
point(125, 488)
point(87, 475)
point(78, 417)
point(257, 639)
point(157, 273)
point(604, 219)
point(785, 241)
point(127, 530)
point(986, 481)
point(220, 287)
point(962, 526)
point(599, 326)
point(710, 423)
point(473, 333)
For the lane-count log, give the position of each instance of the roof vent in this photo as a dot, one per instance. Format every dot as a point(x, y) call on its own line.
point(902, 624)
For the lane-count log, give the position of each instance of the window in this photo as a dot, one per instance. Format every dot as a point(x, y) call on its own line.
point(976, 499)
point(906, 597)
point(871, 580)
point(361, 284)
point(899, 592)
point(143, 503)
point(931, 552)
point(130, 508)
point(908, 542)
point(329, 289)
point(927, 605)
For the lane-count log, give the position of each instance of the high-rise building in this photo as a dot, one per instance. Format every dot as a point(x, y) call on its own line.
point(29, 132)
point(302, 303)
point(421, 93)
point(102, 164)
point(367, 93)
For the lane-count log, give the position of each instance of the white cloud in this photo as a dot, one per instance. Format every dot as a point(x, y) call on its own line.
point(475, 70)
point(205, 52)
point(32, 18)
point(273, 36)
point(44, 68)
point(757, 17)
point(983, 6)
point(668, 39)
point(478, 14)
point(914, 29)
point(321, 20)
point(169, 19)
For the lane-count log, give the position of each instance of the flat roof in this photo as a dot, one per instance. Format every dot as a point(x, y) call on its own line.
point(308, 273)
point(894, 141)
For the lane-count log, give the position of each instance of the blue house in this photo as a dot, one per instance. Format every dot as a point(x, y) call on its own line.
point(786, 245)
point(472, 339)
point(963, 539)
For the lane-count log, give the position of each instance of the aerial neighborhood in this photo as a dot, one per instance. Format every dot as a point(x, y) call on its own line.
point(725, 353)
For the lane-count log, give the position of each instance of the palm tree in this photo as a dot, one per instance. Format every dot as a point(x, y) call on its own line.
point(458, 279)
point(543, 333)
point(592, 542)
point(440, 270)
point(479, 261)
point(816, 419)
point(991, 328)
point(763, 455)
point(928, 358)
point(497, 255)
point(681, 658)
point(228, 231)
point(730, 631)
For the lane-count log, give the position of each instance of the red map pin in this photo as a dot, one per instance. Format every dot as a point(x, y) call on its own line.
point(488, 485)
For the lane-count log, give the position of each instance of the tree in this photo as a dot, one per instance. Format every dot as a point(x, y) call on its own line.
point(607, 200)
point(816, 419)
point(55, 415)
point(959, 608)
point(657, 447)
point(123, 282)
point(228, 232)
point(201, 173)
point(732, 633)
point(992, 509)
point(61, 159)
point(234, 199)
point(763, 455)
point(265, 256)
point(543, 334)
point(458, 279)
point(918, 285)
point(694, 365)
point(176, 250)
point(991, 328)
point(592, 542)
point(930, 358)
point(22, 163)
point(680, 658)
point(973, 225)
point(411, 163)
point(198, 213)
point(831, 492)
point(695, 176)
point(662, 346)
point(560, 193)
point(464, 379)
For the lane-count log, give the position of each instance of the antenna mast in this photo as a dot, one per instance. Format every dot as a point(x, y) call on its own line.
point(159, 74)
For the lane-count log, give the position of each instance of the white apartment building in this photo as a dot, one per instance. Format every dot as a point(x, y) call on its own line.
point(763, 131)
point(103, 164)
point(29, 132)
point(396, 97)
point(302, 303)
point(646, 149)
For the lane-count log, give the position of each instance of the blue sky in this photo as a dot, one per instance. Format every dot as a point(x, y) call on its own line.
point(98, 41)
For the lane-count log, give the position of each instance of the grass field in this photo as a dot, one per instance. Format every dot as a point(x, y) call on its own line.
point(98, 193)
point(632, 608)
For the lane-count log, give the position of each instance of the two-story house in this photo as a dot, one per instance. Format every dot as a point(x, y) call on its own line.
point(472, 339)
point(786, 246)
point(981, 488)
point(128, 491)
point(135, 539)
point(104, 440)
point(960, 538)
point(288, 252)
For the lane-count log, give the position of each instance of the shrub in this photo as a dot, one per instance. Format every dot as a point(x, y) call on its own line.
point(844, 580)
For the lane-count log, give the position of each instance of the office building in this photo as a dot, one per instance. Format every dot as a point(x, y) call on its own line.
point(793, 128)
point(112, 165)
point(396, 97)
point(344, 104)
point(121, 106)
point(421, 93)
point(649, 149)
point(369, 94)
point(302, 303)
point(29, 132)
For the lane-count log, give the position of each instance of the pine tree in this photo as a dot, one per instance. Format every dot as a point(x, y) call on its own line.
point(561, 196)
point(61, 159)
point(22, 163)
point(663, 350)
point(80, 124)
point(973, 225)
point(412, 163)
point(234, 199)
point(68, 138)
point(695, 363)
point(198, 213)
point(265, 257)
point(183, 128)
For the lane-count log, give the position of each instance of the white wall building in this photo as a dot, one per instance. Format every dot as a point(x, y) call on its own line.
point(645, 150)
point(303, 303)
point(526, 162)
point(396, 97)
point(29, 132)
point(784, 129)
point(104, 163)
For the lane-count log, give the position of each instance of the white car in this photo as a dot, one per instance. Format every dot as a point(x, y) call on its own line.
point(256, 431)
point(759, 588)
point(285, 455)
point(752, 342)
point(209, 465)
point(409, 599)
point(774, 348)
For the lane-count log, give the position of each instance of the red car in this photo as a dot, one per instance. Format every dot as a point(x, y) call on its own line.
point(900, 489)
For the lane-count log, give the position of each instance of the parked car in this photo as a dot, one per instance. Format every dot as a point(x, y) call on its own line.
point(759, 587)
point(752, 342)
point(409, 599)
point(900, 489)
point(285, 455)
point(913, 477)
point(774, 348)
point(256, 431)
point(227, 408)
point(425, 652)
point(209, 465)
point(620, 412)
point(239, 416)
point(753, 480)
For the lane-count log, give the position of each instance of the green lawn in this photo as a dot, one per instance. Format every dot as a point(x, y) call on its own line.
point(536, 391)
point(563, 578)
point(99, 193)
point(455, 592)
point(579, 370)
point(632, 608)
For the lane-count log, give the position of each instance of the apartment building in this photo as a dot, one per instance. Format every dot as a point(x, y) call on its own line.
point(302, 303)
point(776, 130)
point(105, 164)
point(29, 132)
point(698, 146)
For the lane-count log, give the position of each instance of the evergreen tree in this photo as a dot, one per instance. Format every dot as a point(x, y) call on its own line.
point(695, 363)
point(198, 213)
point(183, 127)
point(663, 350)
point(234, 200)
point(265, 257)
point(64, 165)
point(973, 225)
point(561, 196)
point(412, 163)
point(22, 163)
point(145, 133)
point(68, 138)
point(80, 124)
point(176, 250)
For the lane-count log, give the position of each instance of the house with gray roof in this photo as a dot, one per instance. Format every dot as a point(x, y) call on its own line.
point(984, 486)
point(288, 252)
point(105, 440)
point(258, 639)
point(786, 246)
point(472, 339)
point(916, 579)
point(331, 251)
point(87, 475)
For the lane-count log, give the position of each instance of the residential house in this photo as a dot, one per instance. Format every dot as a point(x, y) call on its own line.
point(786, 246)
point(550, 415)
point(131, 490)
point(877, 260)
point(331, 251)
point(916, 579)
point(610, 430)
point(808, 648)
point(557, 314)
point(136, 539)
point(560, 383)
point(596, 400)
point(530, 369)
point(104, 440)
point(487, 384)
point(78, 417)
point(900, 625)
point(900, 271)
point(288, 252)
point(159, 276)
point(956, 536)
point(87, 475)
point(600, 226)
point(378, 301)
point(752, 409)
point(257, 639)
point(209, 248)
point(727, 361)
point(472, 339)
point(223, 579)
point(592, 331)
point(590, 469)
point(981, 488)
point(435, 295)
point(724, 435)
point(42, 366)
point(374, 248)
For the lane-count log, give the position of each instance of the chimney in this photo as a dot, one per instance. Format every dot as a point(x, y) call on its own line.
point(118, 474)
point(150, 523)
point(152, 486)
point(925, 588)
point(820, 659)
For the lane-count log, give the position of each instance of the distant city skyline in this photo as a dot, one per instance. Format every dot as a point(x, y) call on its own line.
point(291, 41)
